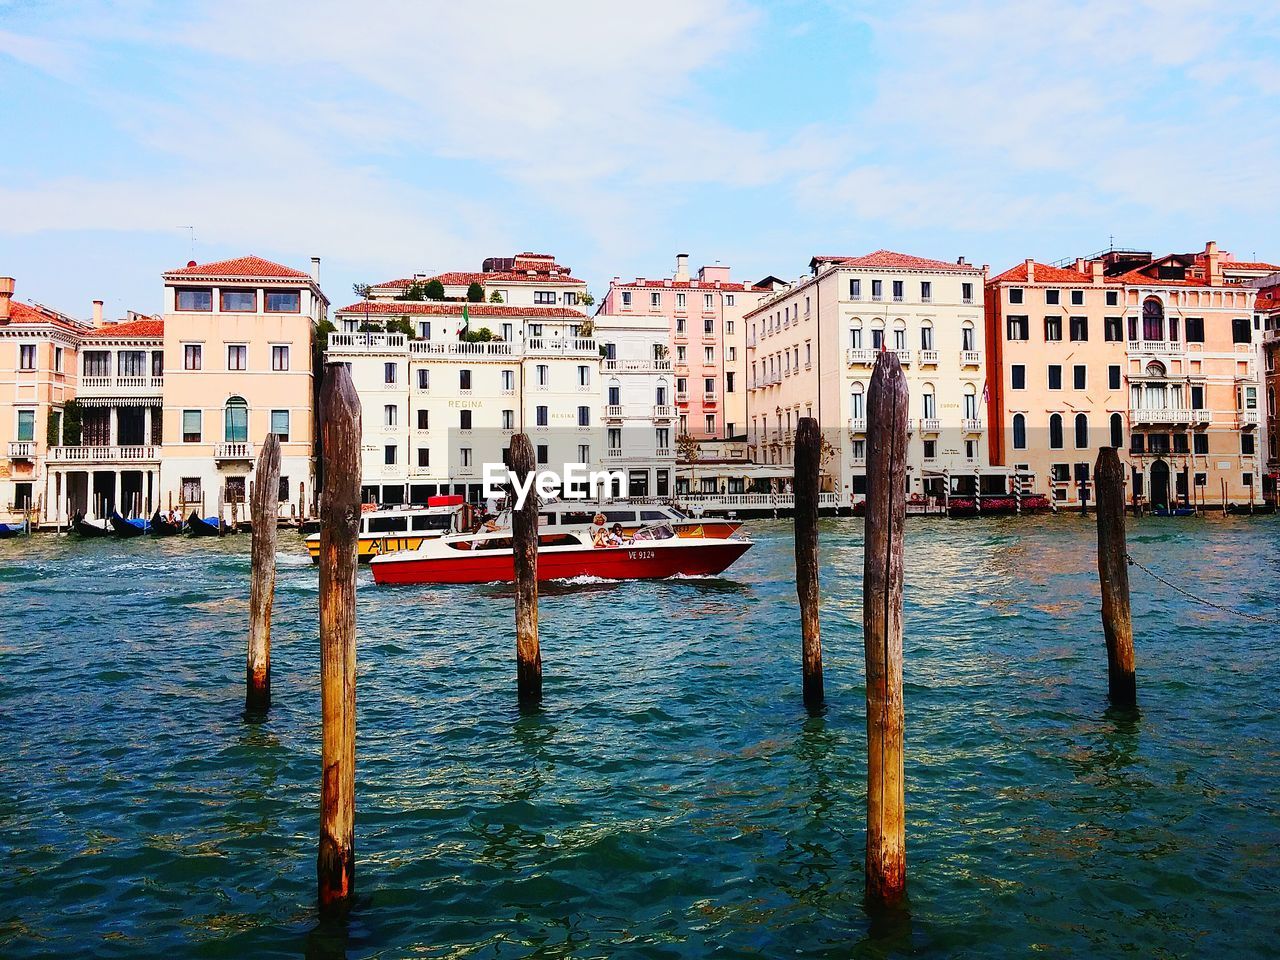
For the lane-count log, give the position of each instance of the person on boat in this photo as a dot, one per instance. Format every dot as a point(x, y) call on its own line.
point(615, 538)
point(599, 533)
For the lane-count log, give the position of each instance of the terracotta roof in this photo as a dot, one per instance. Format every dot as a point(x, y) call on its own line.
point(1267, 301)
point(435, 308)
point(133, 328)
point(29, 313)
point(1138, 278)
point(462, 278)
point(1250, 265)
point(692, 285)
point(249, 266)
point(1044, 274)
point(893, 260)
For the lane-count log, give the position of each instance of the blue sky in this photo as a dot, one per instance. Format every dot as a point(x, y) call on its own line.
point(392, 138)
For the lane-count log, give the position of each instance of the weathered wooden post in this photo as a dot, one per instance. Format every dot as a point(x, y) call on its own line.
point(524, 532)
point(882, 630)
point(339, 531)
point(1113, 575)
point(807, 461)
point(302, 500)
point(262, 580)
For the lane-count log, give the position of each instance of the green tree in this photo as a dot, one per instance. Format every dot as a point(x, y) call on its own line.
point(495, 297)
point(401, 325)
point(475, 293)
point(415, 291)
point(370, 326)
point(72, 423)
point(51, 434)
point(483, 335)
point(361, 290)
point(434, 290)
point(323, 329)
point(586, 298)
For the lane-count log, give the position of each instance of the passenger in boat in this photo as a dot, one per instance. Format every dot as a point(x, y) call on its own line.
point(599, 533)
point(615, 538)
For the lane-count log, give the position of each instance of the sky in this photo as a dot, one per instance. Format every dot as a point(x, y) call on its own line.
point(391, 138)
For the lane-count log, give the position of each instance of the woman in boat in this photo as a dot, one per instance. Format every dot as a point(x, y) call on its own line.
point(599, 532)
point(615, 538)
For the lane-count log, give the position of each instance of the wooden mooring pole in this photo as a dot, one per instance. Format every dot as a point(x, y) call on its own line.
point(339, 533)
point(882, 630)
point(1113, 576)
point(807, 460)
point(524, 532)
point(262, 579)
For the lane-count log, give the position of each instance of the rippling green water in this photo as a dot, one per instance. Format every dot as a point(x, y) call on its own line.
point(672, 799)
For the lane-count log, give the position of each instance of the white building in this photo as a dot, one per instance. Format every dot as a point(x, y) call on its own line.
point(639, 402)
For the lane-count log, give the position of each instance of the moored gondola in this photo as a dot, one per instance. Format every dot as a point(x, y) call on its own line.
point(12, 529)
point(127, 529)
point(85, 527)
point(162, 527)
point(199, 526)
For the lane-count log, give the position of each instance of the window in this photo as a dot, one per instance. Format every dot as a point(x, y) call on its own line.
point(508, 419)
point(1113, 378)
point(1018, 377)
point(855, 289)
point(1015, 294)
point(1052, 297)
point(707, 302)
point(424, 456)
point(464, 419)
point(190, 357)
point(584, 416)
point(1241, 331)
point(711, 423)
point(464, 379)
point(680, 298)
point(424, 378)
point(196, 300)
point(542, 375)
point(280, 424)
point(540, 416)
point(542, 453)
point(390, 415)
point(190, 426)
point(1079, 376)
point(728, 382)
point(926, 291)
point(1077, 298)
point(708, 326)
point(1082, 431)
point(1052, 328)
point(626, 298)
point(931, 449)
point(236, 421)
point(1195, 329)
point(389, 455)
point(1055, 376)
point(877, 289)
point(971, 450)
point(131, 363)
point(191, 491)
point(926, 337)
point(1246, 444)
point(389, 372)
point(1113, 298)
point(424, 330)
point(1200, 443)
point(729, 301)
point(97, 363)
point(897, 291)
point(1079, 329)
point(1117, 431)
point(1018, 328)
point(27, 356)
point(1055, 432)
point(279, 358)
point(1152, 319)
point(26, 425)
point(424, 419)
point(655, 300)
point(1019, 432)
point(283, 301)
point(966, 292)
point(508, 381)
point(1112, 329)
point(709, 354)
point(238, 301)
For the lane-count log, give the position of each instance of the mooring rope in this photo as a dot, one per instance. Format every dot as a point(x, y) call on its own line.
point(1191, 596)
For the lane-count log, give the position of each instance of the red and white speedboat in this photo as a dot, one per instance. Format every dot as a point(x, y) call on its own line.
point(563, 553)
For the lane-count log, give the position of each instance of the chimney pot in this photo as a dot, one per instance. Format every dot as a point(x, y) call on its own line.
point(97, 313)
point(682, 266)
point(1031, 270)
point(315, 269)
point(6, 298)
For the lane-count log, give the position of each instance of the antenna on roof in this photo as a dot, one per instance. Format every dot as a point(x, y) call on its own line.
point(192, 231)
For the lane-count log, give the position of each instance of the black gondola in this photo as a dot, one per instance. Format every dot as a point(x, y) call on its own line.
point(127, 529)
point(160, 527)
point(199, 526)
point(89, 528)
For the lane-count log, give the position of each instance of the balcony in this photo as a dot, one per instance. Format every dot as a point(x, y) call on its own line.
point(970, 358)
point(751, 342)
point(863, 356)
point(664, 453)
point(121, 386)
point(562, 346)
point(930, 425)
point(613, 453)
point(233, 451)
point(710, 399)
point(904, 357)
point(928, 358)
point(613, 411)
point(858, 425)
point(969, 425)
point(1247, 418)
point(1163, 415)
point(107, 454)
point(663, 411)
point(22, 449)
point(1159, 347)
point(637, 366)
point(682, 397)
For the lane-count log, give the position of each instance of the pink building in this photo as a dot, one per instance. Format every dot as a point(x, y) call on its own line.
point(706, 339)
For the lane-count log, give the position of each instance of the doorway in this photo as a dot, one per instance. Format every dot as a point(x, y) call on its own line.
point(1160, 484)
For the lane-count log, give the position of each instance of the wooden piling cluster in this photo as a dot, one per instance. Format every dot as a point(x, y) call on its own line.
point(886, 513)
point(262, 578)
point(808, 454)
point(524, 537)
point(1113, 577)
point(339, 536)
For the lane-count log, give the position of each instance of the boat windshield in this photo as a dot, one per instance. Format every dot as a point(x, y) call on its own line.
point(657, 531)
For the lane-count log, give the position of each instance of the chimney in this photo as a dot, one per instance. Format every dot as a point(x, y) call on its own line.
point(315, 269)
point(6, 298)
point(97, 314)
point(1079, 264)
point(1031, 270)
point(1213, 263)
point(682, 267)
point(1095, 269)
point(961, 262)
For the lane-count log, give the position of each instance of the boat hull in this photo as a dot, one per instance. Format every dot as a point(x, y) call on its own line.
point(611, 563)
point(127, 529)
point(198, 526)
point(87, 528)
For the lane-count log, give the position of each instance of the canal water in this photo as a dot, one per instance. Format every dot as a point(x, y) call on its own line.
point(672, 799)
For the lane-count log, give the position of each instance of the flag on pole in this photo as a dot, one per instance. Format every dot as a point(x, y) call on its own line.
point(466, 321)
point(986, 396)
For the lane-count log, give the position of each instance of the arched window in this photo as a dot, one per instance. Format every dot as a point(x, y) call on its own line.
point(926, 335)
point(614, 392)
point(660, 392)
point(857, 406)
point(1117, 431)
point(929, 405)
point(855, 333)
point(966, 336)
point(1019, 432)
point(970, 402)
point(237, 421)
point(900, 335)
point(1055, 432)
point(1152, 319)
point(1082, 431)
point(877, 334)
point(1155, 369)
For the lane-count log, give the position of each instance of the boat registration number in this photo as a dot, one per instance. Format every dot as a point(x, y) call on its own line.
point(641, 554)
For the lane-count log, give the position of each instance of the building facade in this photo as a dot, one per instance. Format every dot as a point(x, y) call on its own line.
point(1159, 358)
point(706, 337)
point(1267, 321)
point(812, 347)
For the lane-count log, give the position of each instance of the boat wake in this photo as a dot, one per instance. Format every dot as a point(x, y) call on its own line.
point(582, 578)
